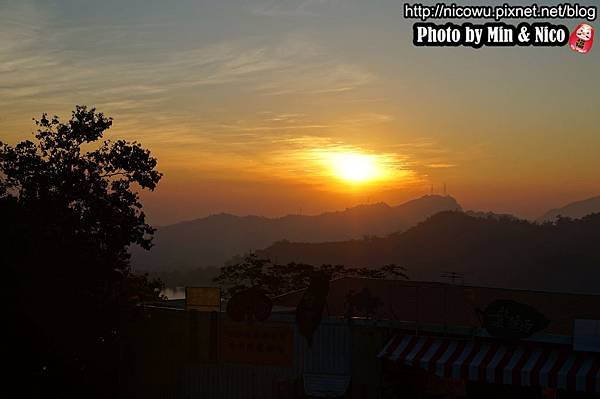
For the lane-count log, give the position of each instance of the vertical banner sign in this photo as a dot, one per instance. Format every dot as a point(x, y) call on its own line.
point(310, 309)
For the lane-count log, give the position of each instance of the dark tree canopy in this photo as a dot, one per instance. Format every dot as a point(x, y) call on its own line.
point(93, 187)
point(70, 209)
point(276, 279)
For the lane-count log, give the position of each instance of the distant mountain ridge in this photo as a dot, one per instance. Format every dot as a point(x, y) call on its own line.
point(577, 209)
point(213, 240)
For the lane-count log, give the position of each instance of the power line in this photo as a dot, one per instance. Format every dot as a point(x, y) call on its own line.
point(454, 276)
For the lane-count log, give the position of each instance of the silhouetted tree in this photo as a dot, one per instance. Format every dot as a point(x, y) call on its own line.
point(70, 210)
point(275, 279)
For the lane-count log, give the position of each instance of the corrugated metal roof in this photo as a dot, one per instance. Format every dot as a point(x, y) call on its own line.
point(452, 305)
point(232, 381)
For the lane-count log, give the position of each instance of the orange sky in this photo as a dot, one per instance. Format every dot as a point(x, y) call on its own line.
point(243, 103)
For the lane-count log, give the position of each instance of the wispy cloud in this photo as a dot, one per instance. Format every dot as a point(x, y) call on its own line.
point(211, 105)
point(441, 165)
point(288, 8)
point(38, 67)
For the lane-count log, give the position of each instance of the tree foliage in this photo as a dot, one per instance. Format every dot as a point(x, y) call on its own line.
point(276, 279)
point(70, 208)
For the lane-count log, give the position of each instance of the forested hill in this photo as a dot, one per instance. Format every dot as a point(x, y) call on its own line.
point(213, 240)
point(496, 251)
point(575, 209)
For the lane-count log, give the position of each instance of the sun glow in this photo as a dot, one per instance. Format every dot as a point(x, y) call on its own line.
point(355, 167)
point(346, 168)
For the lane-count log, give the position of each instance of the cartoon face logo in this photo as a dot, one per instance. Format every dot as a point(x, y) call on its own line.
point(582, 39)
point(584, 32)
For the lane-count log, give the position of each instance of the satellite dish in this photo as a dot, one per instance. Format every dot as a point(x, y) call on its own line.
point(249, 305)
point(504, 318)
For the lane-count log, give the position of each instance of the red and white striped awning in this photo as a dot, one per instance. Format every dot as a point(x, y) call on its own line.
point(498, 363)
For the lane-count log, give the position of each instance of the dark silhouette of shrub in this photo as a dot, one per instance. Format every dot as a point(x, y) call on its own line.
point(70, 209)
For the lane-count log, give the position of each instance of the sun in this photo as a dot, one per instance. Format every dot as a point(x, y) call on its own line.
point(354, 167)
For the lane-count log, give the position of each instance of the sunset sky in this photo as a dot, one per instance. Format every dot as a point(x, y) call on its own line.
point(249, 105)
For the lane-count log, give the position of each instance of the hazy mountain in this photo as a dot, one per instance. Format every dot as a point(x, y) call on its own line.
point(213, 240)
point(494, 251)
point(574, 210)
